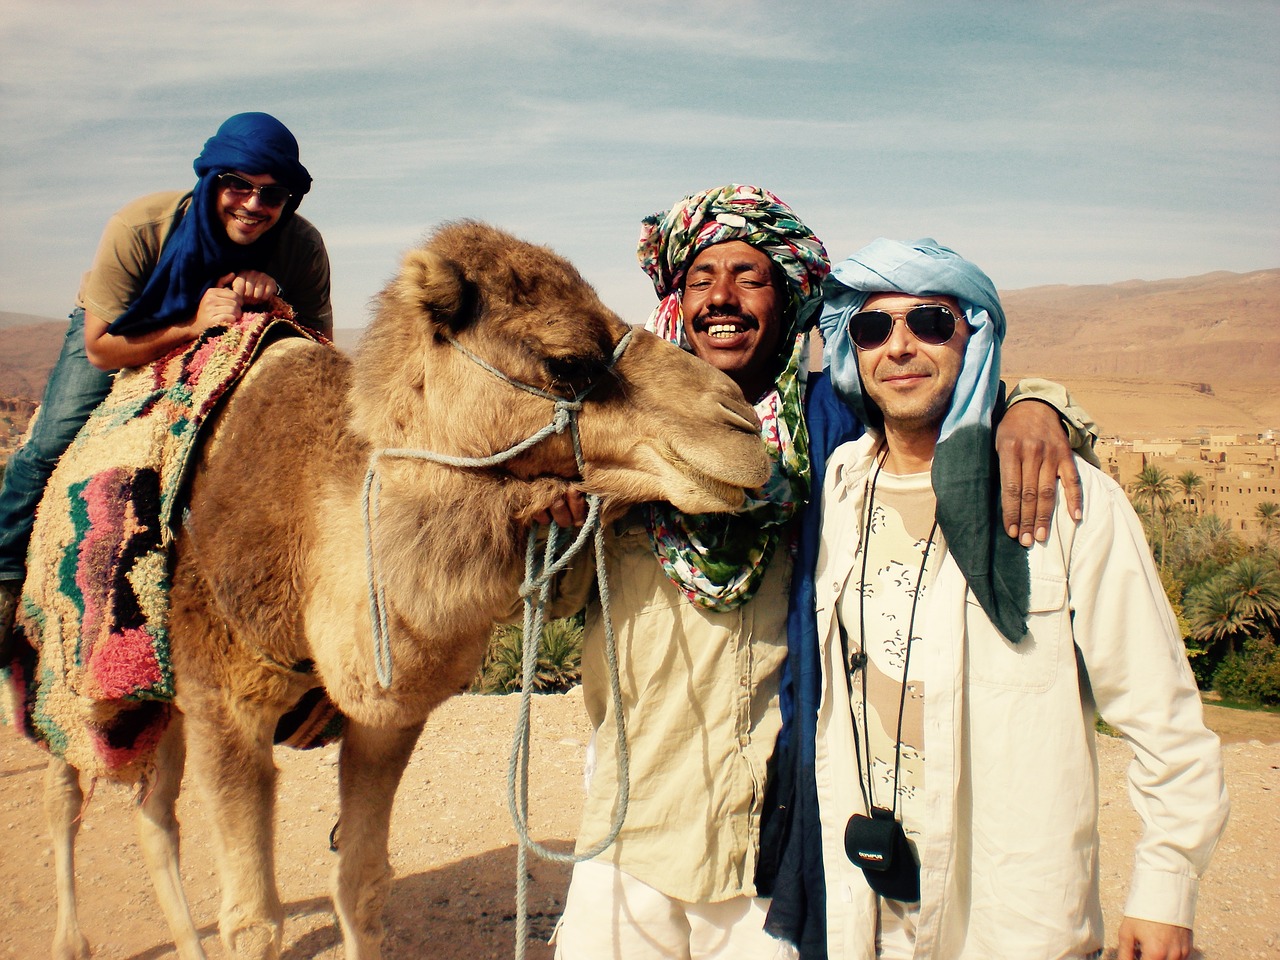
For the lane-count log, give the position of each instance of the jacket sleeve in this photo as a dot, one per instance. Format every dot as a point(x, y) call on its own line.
point(1082, 432)
point(1142, 685)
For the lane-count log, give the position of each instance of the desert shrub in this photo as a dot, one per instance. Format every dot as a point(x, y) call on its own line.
point(1204, 664)
point(1104, 728)
point(559, 659)
point(1252, 675)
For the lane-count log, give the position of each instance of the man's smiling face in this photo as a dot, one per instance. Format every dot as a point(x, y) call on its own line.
point(732, 314)
point(911, 381)
point(247, 219)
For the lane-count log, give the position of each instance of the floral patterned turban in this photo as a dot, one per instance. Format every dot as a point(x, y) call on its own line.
point(670, 241)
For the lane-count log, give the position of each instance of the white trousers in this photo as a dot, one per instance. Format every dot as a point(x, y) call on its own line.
point(610, 915)
point(896, 929)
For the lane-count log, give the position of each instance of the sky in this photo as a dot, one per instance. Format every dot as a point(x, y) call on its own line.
point(1051, 142)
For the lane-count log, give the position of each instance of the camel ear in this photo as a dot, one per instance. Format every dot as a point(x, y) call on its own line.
point(430, 283)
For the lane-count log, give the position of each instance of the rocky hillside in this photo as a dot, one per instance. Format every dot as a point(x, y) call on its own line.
point(28, 347)
point(1200, 351)
point(1147, 358)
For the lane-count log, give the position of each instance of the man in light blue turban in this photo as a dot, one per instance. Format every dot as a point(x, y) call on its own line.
point(699, 609)
point(952, 806)
point(169, 266)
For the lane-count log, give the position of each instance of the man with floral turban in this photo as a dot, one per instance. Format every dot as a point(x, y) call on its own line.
point(699, 605)
point(169, 266)
point(950, 743)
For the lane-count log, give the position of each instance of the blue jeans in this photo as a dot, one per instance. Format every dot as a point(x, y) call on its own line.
point(75, 387)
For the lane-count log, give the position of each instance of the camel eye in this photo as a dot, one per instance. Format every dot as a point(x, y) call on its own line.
point(578, 372)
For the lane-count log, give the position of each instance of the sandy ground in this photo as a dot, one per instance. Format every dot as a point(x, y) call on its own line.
point(453, 846)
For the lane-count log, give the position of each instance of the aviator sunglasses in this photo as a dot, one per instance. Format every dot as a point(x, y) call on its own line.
point(271, 195)
point(928, 323)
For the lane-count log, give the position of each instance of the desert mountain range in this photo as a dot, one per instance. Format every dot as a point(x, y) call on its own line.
point(1165, 358)
point(1148, 359)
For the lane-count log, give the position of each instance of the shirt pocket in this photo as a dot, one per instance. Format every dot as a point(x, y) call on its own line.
point(1031, 664)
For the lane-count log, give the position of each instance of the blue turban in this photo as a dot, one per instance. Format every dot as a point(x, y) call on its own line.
point(198, 251)
point(965, 475)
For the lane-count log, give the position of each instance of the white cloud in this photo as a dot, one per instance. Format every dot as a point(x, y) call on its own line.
point(1100, 142)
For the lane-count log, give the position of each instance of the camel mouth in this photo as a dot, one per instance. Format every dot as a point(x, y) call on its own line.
point(721, 491)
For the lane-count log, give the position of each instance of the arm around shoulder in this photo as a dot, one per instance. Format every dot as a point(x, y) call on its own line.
point(1082, 432)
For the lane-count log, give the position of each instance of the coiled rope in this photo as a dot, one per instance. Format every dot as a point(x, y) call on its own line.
point(535, 591)
point(542, 579)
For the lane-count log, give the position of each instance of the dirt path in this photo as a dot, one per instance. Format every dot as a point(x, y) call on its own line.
point(454, 854)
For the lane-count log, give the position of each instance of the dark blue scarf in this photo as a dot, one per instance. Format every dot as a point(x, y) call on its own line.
point(198, 251)
point(790, 865)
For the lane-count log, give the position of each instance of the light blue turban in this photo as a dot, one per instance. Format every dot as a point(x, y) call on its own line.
point(965, 474)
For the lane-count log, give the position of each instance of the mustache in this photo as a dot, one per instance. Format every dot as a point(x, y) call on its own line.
point(903, 371)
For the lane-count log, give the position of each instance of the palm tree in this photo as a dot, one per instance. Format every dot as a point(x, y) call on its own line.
point(1155, 488)
point(1242, 601)
point(1215, 538)
point(1268, 514)
point(1257, 581)
point(1216, 616)
point(1152, 486)
point(1191, 483)
point(1201, 548)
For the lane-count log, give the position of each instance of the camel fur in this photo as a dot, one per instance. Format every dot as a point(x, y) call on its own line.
point(269, 594)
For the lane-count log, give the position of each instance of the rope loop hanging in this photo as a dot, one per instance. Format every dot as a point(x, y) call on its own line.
point(535, 591)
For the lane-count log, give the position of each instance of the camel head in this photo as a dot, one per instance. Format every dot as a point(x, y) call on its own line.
point(657, 424)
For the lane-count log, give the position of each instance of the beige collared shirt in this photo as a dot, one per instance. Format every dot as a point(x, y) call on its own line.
point(700, 693)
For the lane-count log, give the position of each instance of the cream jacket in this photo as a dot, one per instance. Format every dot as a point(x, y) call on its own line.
point(1010, 848)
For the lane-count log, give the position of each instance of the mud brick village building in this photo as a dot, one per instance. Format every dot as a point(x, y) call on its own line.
point(1238, 472)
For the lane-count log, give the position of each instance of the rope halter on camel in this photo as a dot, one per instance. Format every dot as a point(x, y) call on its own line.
point(536, 592)
point(564, 417)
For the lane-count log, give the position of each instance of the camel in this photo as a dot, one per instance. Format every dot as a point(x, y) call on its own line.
point(270, 596)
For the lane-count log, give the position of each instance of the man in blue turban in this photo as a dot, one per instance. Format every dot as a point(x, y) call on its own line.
point(170, 266)
point(950, 745)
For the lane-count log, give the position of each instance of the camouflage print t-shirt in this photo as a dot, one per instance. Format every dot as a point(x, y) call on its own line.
point(901, 521)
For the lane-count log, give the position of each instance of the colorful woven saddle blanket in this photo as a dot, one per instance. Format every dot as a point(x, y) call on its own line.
point(94, 680)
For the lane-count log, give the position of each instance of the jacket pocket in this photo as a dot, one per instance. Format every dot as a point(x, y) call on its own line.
point(1031, 664)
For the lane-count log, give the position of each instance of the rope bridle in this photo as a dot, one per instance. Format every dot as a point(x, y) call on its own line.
point(535, 590)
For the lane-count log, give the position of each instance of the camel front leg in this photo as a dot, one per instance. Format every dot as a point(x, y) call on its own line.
point(228, 746)
point(63, 801)
point(159, 833)
point(370, 766)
